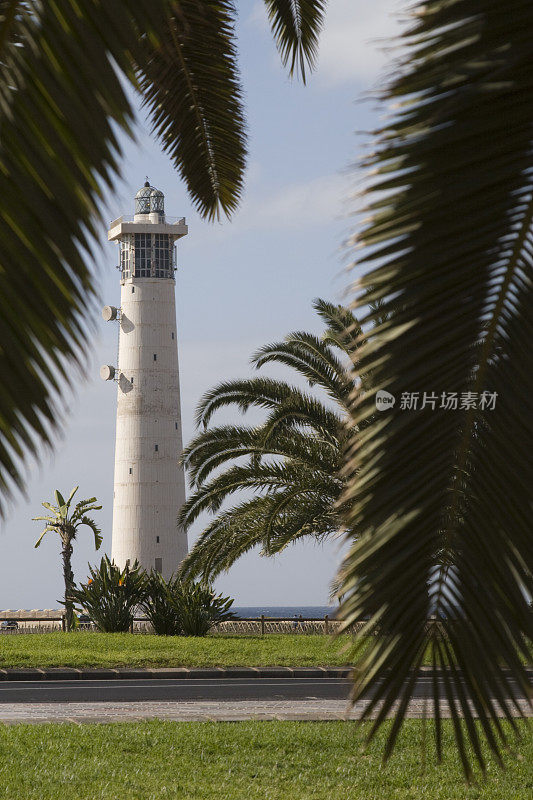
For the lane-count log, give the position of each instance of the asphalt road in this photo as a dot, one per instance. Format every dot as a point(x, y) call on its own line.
point(163, 690)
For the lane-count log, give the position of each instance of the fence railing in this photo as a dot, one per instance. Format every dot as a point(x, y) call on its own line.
point(263, 625)
point(21, 622)
point(245, 626)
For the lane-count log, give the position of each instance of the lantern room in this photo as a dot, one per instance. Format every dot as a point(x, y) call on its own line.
point(147, 242)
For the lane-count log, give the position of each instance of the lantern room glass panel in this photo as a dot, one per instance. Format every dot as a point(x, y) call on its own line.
point(163, 247)
point(143, 255)
point(125, 258)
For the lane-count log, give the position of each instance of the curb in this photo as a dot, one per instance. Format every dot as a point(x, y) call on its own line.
point(180, 673)
point(132, 673)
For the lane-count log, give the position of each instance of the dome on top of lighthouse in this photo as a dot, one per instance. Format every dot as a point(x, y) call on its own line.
point(149, 199)
point(157, 200)
point(145, 190)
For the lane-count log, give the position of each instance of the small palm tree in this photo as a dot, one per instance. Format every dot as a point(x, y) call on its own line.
point(291, 462)
point(66, 524)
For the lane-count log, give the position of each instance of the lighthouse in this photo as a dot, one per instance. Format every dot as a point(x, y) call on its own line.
point(149, 483)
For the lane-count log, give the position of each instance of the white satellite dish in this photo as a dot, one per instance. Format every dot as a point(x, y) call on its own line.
point(109, 313)
point(107, 372)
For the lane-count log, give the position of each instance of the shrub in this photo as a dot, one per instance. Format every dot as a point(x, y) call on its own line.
point(111, 595)
point(200, 608)
point(183, 608)
point(159, 605)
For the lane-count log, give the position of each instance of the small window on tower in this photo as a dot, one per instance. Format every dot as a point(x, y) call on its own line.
point(156, 448)
point(133, 289)
point(159, 565)
point(155, 356)
point(172, 334)
point(131, 470)
point(157, 539)
point(176, 425)
point(131, 380)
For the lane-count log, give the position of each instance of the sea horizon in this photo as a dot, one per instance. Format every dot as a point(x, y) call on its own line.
point(281, 612)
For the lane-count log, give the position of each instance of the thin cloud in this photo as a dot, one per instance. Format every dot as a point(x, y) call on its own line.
point(295, 207)
point(352, 46)
point(298, 205)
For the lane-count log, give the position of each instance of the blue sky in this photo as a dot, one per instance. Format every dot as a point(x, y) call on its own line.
point(240, 284)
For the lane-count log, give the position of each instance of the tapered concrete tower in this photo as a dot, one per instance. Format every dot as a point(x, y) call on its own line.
point(149, 486)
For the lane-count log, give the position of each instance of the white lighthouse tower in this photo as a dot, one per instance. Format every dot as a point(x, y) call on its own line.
point(149, 486)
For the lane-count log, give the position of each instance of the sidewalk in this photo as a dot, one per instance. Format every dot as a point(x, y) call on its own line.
point(201, 711)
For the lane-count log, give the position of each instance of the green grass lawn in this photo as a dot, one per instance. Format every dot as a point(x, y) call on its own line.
point(91, 649)
point(239, 761)
point(125, 649)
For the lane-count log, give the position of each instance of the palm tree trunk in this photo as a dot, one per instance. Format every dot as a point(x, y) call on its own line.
point(68, 575)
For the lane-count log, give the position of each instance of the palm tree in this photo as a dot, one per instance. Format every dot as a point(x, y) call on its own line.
point(65, 69)
point(290, 462)
point(66, 523)
point(439, 516)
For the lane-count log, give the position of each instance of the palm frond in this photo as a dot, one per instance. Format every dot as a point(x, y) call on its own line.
point(442, 500)
point(60, 500)
point(83, 507)
point(298, 512)
point(50, 507)
point(56, 144)
point(58, 152)
point(296, 25)
point(312, 358)
point(337, 318)
point(343, 329)
point(225, 539)
point(214, 447)
point(191, 88)
point(73, 492)
point(267, 477)
point(303, 411)
point(269, 522)
point(98, 538)
point(259, 392)
point(49, 528)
